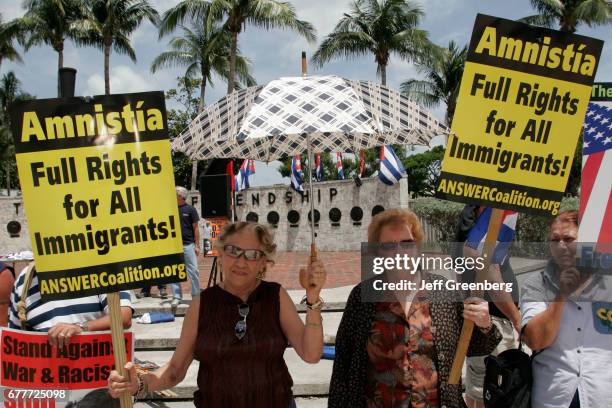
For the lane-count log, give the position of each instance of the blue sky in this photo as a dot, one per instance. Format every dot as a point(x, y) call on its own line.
point(273, 53)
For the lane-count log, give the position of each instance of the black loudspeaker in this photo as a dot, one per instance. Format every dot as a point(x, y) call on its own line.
point(215, 192)
point(67, 79)
point(216, 166)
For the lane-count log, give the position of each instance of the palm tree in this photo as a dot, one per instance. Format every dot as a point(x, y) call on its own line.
point(10, 91)
point(237, 13)
point(570, 13)
point(110, 24)
point(51, 22)
point(443, 75)
point(379, 27)
point(203, 52)
point(9, 32)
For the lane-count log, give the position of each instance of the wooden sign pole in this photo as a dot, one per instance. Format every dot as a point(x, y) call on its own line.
point(468, 325)
point(114, 306)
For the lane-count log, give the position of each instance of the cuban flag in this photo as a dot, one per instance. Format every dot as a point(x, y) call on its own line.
point(296, 174)
point(596, 182)
point(318, 168)
point(361, 163)
point(339, 166)
point(242, 178)
point(478, 234)
point(391, 168)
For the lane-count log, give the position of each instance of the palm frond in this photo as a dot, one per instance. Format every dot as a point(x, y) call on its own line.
point(539, 20)
point(121, 45)
point(169, 59)
point(195, 11)
point(552, 8)
point(276, 14)
point(243, 71)
point(343, 44)
point(594, 12)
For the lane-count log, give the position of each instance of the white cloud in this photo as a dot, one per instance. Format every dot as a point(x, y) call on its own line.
point(323, 14)
point(163, 5)
point(123, 79)
point(10, 10)
point(267, 174)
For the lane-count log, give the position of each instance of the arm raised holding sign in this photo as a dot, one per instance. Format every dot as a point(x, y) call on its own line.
point(239, 330)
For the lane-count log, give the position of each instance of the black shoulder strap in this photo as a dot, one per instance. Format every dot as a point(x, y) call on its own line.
point(4, 266)
point(520, 347)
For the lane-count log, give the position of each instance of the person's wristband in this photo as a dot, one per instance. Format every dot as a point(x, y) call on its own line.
point(489, 327)
point(142, 387)
point(84, 326)
point(318, 305)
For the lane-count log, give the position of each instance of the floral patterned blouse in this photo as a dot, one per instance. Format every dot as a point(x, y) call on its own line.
point(401, 368)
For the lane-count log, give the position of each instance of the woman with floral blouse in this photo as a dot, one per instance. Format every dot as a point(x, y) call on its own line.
point(397, 352)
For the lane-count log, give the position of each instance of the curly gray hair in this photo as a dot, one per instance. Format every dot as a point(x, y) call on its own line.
point(182, 191)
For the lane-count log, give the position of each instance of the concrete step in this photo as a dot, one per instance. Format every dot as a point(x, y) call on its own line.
point(308, 379)
point(300, 402)
point(335, 300)
point(161, 336)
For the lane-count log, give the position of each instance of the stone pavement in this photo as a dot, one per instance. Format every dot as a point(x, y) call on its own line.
point(343, 269)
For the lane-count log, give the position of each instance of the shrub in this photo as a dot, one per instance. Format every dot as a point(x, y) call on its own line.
point(442, 216)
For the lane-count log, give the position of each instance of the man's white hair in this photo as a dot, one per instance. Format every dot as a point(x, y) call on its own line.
point(182, 191)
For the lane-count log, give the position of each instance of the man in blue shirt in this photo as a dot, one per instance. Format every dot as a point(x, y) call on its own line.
point(191, 245)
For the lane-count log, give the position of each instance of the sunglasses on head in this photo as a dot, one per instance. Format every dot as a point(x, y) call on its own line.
point(404, 244)
point(249, 254)
point(241, 326)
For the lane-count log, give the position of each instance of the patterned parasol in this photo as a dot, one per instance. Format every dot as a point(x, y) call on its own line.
point(269, 122)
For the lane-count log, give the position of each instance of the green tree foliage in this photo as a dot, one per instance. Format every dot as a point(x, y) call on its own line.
point(51, 23)
point(10, 32)
point(443, 72)
point(185, 95)
point(567, 15)
point(235, 15)
point(350, 164)
point(202, 50)
point(10, 92)
point(424, 171)
point(573, 182)
point(379, 28)
point(203, 53)
point(443, 215)
point(109, 25)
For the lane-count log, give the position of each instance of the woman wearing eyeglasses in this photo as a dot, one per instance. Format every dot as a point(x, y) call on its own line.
point(396, 349)
point(239, 329)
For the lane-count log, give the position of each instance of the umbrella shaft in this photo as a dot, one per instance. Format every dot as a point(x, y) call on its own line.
point(310, 194)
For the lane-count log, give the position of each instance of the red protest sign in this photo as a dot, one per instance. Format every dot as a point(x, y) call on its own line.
point(28, 361)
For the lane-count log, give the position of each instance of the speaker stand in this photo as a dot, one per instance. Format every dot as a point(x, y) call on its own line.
point(215, 273)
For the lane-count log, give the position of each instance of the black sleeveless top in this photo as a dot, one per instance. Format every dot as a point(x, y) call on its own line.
point(241, 373)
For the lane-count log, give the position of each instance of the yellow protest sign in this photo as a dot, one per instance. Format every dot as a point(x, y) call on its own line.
point(98, 187)
point(520, 109)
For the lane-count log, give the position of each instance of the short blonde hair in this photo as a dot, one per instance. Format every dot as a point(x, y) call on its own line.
point(264, 236)
point(395, 216)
